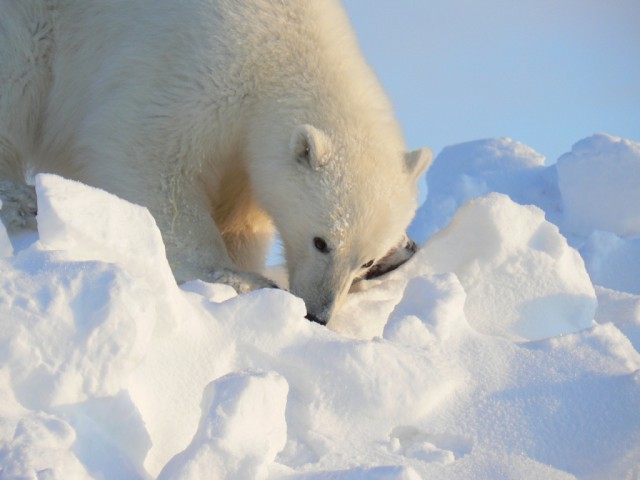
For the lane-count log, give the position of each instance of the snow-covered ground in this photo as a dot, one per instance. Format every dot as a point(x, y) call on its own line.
point(506, 348)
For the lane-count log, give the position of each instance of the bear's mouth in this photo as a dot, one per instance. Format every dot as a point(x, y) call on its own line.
point(394, 259)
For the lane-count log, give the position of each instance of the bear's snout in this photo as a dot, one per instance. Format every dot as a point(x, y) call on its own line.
point(313, 318)
point(320, 313)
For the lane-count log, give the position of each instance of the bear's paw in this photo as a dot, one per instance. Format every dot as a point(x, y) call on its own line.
point(18, 206)
point(242, 282)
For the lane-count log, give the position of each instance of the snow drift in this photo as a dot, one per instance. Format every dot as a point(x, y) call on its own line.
point(501, 350)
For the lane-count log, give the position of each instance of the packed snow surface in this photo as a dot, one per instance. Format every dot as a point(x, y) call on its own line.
point(506, 348)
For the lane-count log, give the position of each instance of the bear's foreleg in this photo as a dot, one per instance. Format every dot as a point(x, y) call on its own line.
point(197, 249)
point(26, 48)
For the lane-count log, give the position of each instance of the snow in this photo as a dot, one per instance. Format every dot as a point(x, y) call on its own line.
point(607, 168)
point(236, 407)
point(612, 261)
point(507, 347)
point(521, 278)
point(473, 169)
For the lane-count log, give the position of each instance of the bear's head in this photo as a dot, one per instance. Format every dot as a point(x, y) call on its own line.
point(340, 205)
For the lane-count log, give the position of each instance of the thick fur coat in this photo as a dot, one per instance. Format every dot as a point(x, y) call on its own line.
point(227, 119)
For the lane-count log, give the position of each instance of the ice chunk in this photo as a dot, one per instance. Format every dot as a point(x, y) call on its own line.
point(521, 278)
point(600, 185)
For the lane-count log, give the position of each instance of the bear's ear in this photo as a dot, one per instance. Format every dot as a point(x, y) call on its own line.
point(418, 161)
point(310, 146)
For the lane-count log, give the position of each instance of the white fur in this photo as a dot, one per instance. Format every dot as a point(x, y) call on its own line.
point(195, 109)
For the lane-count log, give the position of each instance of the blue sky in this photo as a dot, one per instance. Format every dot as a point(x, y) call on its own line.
point(545, 72)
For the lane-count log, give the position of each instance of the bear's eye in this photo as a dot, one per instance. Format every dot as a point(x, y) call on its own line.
point(321, 245)
point(304, 154)
point(368, 264)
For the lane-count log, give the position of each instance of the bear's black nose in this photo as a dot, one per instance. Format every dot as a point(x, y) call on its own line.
point(313, 318)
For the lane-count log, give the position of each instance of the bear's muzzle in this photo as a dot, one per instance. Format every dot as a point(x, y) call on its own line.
point(311, 317)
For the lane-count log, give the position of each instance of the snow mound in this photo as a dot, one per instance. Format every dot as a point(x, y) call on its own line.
point(79, 328)
point(469, 170)
point(591, 194)
point(598, 180)
point(521, 278)
point(479, 358)
point(613, 262)
point(623, 310)
point(431, 310)
point(94, 229)
point(242, 429)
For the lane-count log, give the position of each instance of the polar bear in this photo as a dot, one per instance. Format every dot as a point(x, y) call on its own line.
point(227, 119)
